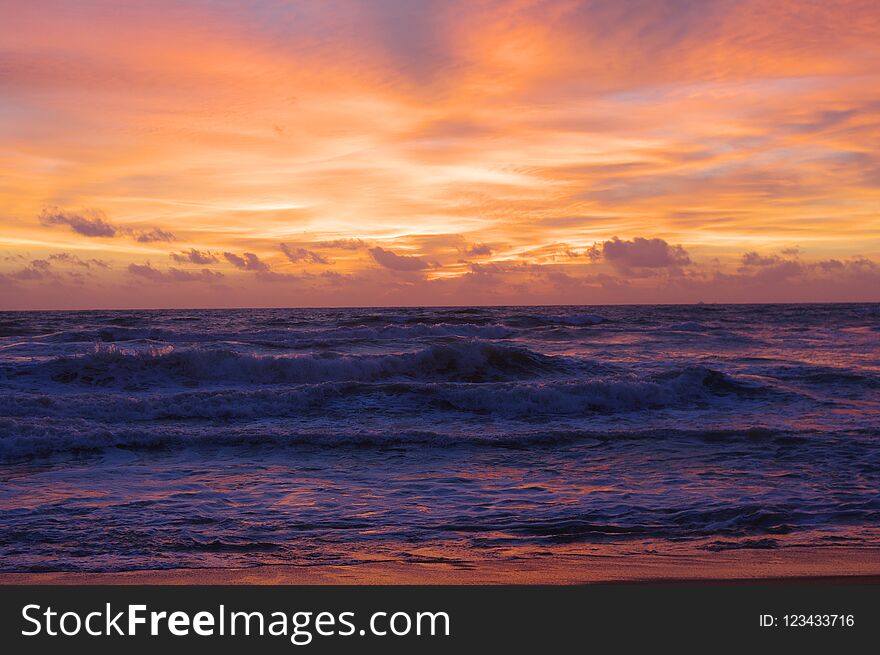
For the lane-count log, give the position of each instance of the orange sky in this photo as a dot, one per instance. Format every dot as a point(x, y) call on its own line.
point(360, 152)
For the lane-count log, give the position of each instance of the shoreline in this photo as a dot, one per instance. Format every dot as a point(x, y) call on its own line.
point(811, 565)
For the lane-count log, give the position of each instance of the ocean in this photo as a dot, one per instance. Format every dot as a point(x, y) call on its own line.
point(233, 438)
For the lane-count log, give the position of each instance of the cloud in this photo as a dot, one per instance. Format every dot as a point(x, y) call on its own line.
point(754, 259)
point(146, 270)
point(273, 276)
point(173, 274)
point(36, 269)
point(477, 250)
point(246, 261)
point(768, 270)
point(152, 235)
point(73, 260)
point(777, 279)
point(783, 269)
point(90, 223)
point(193, 257)
point(644, 253)
point(396, 262)
point(487, 271)
point(29, 273)
point(343, 244)
point(558, 251)
point(649, 107)
point(297, 255)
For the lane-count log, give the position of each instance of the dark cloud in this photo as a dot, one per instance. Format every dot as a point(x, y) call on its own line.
point(173, 274)
point(396, 262)
point(247, 261)
point(343, 244)
point(93, 223)
point(73, 260)
point(644, 253)
point(193, 257)
point(90, 223)
point(301, 255)
point(153, 235)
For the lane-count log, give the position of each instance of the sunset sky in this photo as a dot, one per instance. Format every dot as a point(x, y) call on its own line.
point(394, 152)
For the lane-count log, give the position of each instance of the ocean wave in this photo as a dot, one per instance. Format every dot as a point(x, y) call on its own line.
point(508, 399)
point(576, 398)
point(813, 374)
point(16, 328)
point(375, 413)
point(742, 520)
point(289, 337)
point(466, 361)
point(45, 437)
point(688, 326)
point(571, 320)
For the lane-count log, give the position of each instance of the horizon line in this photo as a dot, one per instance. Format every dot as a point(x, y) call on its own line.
point(499, 306)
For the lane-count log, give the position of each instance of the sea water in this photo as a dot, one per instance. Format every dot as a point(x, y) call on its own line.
point(227, 438)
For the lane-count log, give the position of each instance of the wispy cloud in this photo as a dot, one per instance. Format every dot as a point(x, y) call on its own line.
point(595, 149)
point(343, 244)
point(152, 235)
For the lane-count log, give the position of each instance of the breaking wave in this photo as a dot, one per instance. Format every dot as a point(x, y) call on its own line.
point(465, 361)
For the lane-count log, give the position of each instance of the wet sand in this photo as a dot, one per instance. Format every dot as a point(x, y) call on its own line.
point(807, 564)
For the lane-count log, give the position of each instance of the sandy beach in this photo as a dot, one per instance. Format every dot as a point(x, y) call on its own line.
point(806, 564)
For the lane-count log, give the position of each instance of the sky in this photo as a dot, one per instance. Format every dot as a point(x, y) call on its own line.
point(388, 152)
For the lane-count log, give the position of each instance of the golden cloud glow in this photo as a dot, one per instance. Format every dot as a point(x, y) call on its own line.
point(536, 129)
